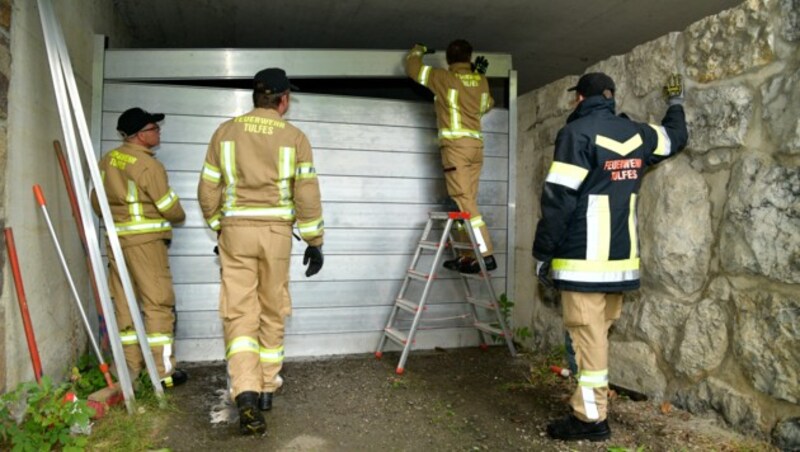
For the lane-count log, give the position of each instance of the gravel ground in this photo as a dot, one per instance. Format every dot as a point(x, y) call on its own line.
point(453, 400)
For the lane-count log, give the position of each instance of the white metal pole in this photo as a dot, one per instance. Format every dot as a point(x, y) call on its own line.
point(83, 203)
point(94, 172)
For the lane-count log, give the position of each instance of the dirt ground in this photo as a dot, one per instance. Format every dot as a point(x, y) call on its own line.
point(454, 400)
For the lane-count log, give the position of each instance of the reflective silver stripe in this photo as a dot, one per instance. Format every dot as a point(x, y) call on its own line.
point(424, 73)
point(597, 277)
point(271, 355)
point(228, 158)
point(589, 403)
point(167, 201)
point(286, 158)
point(305, 171)
point(632, 227)
point(211, 173)
point(598, 228)
point(484, 103)
point(476, 223)
point(135, 208)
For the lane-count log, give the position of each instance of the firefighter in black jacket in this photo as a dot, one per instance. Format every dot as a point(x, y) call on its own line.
point(586, 241)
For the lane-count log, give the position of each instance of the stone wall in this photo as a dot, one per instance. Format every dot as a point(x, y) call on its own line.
point(715, 326)
point(5, 75)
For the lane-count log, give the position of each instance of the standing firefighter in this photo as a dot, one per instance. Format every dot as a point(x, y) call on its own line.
point(259, 177)
point(587, 234)
point(461, 99)
point(144, 207)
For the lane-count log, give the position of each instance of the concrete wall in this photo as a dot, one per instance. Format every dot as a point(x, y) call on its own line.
point(32, 126)
point(716, 325)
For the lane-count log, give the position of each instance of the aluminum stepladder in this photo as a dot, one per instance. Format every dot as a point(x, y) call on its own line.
point(486, 330)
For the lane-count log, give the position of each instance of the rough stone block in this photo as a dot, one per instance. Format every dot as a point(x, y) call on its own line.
point(781, 98)
point(738, 409)
point(705, 341)
point(718, 117)
point(786, 434)
point(790, 15)
point(649, 64)
point(661, 320)
point(632, 365)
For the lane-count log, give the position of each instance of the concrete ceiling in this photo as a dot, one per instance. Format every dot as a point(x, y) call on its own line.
point(547, 39)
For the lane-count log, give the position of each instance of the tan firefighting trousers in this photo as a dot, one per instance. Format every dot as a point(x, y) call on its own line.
point(148, 267)
point(462, 170)
point(254, 300)
point(587, 317)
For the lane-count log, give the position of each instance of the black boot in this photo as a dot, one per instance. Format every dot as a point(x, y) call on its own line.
point(455, 264)
point(265, 401)
point(251, 421)
point(178, 377)
point(571, 428)
point(472, 266)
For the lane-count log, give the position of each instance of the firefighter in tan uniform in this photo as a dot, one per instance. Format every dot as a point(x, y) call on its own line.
point(257, 179)
point(461, 98)
point(144, 208)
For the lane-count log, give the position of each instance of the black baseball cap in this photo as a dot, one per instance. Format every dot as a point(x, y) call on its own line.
point(274, 80)
point(593, 84)
point(134, 120)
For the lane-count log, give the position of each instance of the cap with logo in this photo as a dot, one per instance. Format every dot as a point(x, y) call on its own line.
point(273, 81)
point(593, 84)
point(134, 120)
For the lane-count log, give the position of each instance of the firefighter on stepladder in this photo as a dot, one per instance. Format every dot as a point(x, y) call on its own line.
point(461, 98)
point(144, 208)
point(257, 179)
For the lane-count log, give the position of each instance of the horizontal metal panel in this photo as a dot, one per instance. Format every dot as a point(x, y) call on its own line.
point(205, 269)
point(202, 101)
point(369, 215)
point(367, 189)
point(310, 293)
point(340, 162)
point(200, 241)
point(199, 129)
point(205, 324)
point(315, 345)
point(209, 64)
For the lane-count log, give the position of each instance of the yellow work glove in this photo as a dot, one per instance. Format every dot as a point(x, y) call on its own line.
point(673, 90)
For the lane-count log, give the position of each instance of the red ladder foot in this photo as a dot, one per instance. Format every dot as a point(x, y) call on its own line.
point(378, 355)
point(399, 371)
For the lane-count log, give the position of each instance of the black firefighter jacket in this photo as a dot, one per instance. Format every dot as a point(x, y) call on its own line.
point(588, 225)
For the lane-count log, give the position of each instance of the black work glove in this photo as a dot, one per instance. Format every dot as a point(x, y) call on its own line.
point(543, 273)
point(480, 65)
point(314, 256)
point(216, 247)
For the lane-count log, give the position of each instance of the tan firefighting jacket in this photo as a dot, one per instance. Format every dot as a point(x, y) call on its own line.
point(142, 203)
point(461, 96)
point(259, 167)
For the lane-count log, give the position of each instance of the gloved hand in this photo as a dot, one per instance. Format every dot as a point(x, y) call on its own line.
point(543, 273)
point(673, 90)
point(424, 48)
point(480, 65)
point(216, 247)
point(313, 255)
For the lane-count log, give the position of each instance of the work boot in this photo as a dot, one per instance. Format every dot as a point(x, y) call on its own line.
point(178, 377)
point(265, 401)
point(455, 264)
point(571, 428)
point(472, 266)
point(251, 421)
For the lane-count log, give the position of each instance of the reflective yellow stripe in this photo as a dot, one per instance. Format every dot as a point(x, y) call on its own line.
point(142, 227)
point(135, 208)
point(311, 229)
point(168, 381)
point(228, 159)
point(211, 173)
point(632, 232)
point(477, 221)
point(271, 355)
point(593, 378)
point(617, 147)
point(286, 160)
point(284, 213)
point(213, 222)
point(598, 228)
point(424, 73)
point(664, 144)
point(595, 266)
point(484, 103)
point(128, 337)
point(242, 344)
point(452, 134)
point(158, 339)
point(305, 171)
point(566, 174)
point(167, 201)
point(455, 111)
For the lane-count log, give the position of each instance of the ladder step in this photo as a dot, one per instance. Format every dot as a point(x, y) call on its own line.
point(407, 305)
point(429, 245)
point(488, 304)
point(476, 276)
point(439, 215)
point(462, 245)
point(419, 276)
point(397, 336)
point(485, 327)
